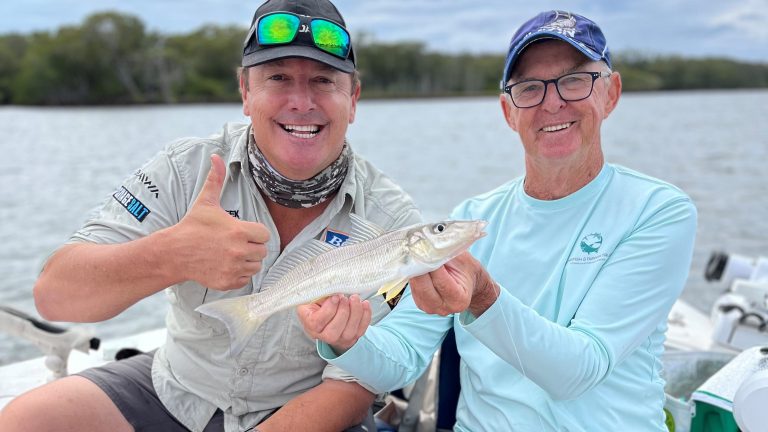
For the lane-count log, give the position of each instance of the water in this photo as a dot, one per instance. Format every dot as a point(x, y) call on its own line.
point(58, 163)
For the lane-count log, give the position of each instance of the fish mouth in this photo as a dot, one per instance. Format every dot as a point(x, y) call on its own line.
point(476, 235)
point(479, 233)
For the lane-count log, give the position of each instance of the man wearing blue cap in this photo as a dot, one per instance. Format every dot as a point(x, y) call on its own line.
point(560, 316)
point(206, 219)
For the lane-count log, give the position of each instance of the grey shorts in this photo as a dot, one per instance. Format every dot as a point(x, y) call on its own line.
point(128, 383)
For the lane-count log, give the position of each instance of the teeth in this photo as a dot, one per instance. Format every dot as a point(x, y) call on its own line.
point(302, 128)
point(556, 127)
point(302, 131)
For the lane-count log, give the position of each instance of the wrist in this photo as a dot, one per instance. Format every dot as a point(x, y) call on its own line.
point(485, 294)
point(168, 262)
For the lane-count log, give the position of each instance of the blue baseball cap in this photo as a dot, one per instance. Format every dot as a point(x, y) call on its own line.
point(582, 33)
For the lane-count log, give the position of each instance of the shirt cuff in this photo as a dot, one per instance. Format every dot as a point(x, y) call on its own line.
point(334, 371)
point(469, 321)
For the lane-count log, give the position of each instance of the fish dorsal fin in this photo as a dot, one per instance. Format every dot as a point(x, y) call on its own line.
point(362, 230)
point(300, 255)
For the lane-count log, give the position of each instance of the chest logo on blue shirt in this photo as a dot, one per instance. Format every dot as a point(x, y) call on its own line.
point(591, 243)
point(335, 238)
point(135, 207)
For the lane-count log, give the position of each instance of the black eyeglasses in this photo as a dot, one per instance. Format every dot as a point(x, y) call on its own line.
point(571, 87)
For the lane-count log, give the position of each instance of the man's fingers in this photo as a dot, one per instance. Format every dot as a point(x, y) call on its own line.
point(447, 287)
point(440, 292)
point(332, 332)
point(323, 314)
point(356, 313)
point(210, 194)
point(255, 252)
point(365, 322)
point(424, 294)
point(305, 314)
point(256, 232)
point(315, 317)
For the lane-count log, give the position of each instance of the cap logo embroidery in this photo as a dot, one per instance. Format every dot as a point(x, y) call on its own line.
point(304, 28)
point(563, 24)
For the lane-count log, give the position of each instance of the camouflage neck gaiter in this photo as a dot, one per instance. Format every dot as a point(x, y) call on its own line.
point(297, 193)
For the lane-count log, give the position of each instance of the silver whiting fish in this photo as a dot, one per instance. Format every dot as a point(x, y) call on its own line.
point(381, 264)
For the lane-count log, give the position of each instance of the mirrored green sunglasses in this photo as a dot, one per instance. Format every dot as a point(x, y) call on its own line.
point(280, 28)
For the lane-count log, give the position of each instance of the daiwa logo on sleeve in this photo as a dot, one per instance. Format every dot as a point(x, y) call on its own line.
point(144, 179)
point(135, 207)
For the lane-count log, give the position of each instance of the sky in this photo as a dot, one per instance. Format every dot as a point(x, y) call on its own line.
point(736, 29)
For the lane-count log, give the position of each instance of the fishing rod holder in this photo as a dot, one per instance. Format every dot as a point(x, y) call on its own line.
point(740, 315)
point(54, 341)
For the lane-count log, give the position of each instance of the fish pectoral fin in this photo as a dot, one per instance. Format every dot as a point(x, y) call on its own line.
point(318, 300)
point(392, 289)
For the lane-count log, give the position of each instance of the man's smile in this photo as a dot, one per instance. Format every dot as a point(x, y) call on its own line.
point(558, 127)
point(302, 131)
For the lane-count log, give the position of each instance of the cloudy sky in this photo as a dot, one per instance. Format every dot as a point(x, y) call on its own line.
point(736, 29)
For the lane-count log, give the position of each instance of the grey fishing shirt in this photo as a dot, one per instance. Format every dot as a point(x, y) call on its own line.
point(193, 372)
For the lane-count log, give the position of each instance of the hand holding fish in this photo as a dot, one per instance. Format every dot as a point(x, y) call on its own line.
point(211, 247)
point(461, 284)
point(339, 321)
point(372, 264)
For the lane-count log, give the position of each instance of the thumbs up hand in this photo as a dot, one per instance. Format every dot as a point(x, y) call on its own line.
point(211, 247)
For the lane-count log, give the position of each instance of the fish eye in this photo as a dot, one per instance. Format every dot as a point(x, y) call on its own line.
point(438, 228)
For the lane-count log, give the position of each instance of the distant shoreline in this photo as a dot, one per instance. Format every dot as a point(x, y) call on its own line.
point(363, 97)
point(111, 59)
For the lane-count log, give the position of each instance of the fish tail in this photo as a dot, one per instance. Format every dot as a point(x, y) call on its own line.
point(240, 322)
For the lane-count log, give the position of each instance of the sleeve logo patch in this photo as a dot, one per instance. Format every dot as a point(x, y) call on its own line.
point(144, 179)
point(135, 207)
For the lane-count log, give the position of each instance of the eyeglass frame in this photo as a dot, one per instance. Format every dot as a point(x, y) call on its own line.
point(595, 76)
point(253, 33)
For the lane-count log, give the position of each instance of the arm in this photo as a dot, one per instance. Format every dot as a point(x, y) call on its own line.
point(331, 406)
point(390, 354)
point(92, 282)
point(629, 298)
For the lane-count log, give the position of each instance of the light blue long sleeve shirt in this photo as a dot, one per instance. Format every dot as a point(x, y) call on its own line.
point(574, 341)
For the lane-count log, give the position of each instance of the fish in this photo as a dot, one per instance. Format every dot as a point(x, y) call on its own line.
point(371, 262)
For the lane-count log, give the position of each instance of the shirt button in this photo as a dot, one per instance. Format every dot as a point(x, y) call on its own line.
point(242, 371)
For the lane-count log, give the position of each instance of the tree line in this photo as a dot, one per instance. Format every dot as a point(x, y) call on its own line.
point(111, 58)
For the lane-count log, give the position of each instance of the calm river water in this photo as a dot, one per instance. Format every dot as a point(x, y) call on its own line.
point(58, 163)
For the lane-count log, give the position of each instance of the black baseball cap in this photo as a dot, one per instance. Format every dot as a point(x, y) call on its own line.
point(255, 54)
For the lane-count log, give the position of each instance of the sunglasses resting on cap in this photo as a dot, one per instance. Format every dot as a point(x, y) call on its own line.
point(312, 29)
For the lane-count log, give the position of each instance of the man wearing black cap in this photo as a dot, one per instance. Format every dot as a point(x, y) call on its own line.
point(206, 219)
point(560, 316)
